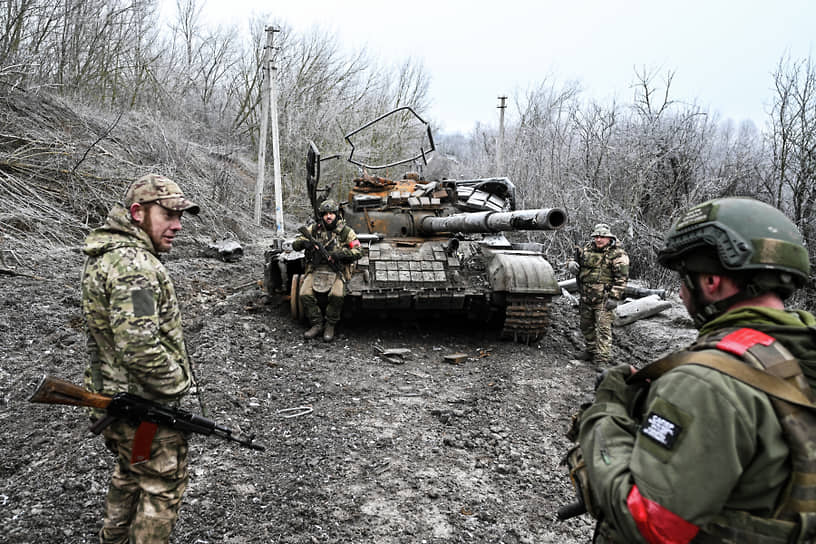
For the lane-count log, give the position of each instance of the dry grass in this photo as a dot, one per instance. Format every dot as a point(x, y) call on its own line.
point(62, 167)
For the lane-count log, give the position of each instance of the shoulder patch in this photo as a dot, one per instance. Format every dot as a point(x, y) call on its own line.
point(661, 430)
point(142, 302)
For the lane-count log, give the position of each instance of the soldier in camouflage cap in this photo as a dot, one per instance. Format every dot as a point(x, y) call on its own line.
point(135, 345)
point(602, 269)
point(714, 443)
point(164, 191)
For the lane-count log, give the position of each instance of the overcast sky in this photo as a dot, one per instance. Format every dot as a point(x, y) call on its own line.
point(723, 52)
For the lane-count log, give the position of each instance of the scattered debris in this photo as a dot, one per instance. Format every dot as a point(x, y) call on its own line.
point(297, 411)
point(456, 358)
point(12, 272)
point(393, 355)
point(573, 300)
point(639, 309)
point(228, 251)
point(633, 289)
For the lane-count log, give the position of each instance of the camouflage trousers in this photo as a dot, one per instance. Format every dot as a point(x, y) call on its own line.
point(595, 322)
point(143, 500)
point(311, 306)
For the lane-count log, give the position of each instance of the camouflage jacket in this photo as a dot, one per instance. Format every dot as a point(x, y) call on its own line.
point(342, 240)
point(135, 341)
point(654, 442)
point(603, 271)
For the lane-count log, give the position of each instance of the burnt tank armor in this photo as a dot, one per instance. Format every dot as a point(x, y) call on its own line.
point(439, 247)
point(434, 247)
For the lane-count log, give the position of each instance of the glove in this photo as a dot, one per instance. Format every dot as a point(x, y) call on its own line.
point(612, 386)
point(298, 244)
point(611, 304)
point(573, 268)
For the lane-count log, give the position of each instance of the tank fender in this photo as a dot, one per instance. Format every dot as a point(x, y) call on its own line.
point(521, 272)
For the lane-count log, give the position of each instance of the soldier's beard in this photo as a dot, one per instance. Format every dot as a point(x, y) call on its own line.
point(330, 226)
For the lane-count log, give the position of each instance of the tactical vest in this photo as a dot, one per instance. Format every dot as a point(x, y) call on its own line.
point(762, 362)
point(595, 267)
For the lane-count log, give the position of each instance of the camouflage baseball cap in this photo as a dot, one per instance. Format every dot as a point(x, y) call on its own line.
point(159, 189)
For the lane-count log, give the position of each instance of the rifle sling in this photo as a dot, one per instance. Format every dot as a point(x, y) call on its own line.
point(767, 383)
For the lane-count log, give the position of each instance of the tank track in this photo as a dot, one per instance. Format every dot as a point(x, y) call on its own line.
point(526, 317)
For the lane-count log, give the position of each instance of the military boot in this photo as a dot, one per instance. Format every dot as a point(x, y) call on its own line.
point(314, 331)
point(328, 333)
point(585, 355)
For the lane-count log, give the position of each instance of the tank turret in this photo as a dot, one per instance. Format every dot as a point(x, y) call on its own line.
point(438, 247)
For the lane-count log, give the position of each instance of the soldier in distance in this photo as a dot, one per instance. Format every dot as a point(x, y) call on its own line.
point(601, 267)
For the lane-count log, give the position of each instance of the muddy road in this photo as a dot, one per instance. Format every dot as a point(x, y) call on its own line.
point(412, 450)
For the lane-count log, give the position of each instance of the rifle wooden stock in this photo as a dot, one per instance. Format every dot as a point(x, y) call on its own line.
point(56, 391)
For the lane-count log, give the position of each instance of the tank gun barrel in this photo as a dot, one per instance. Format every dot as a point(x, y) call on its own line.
point(472, 222)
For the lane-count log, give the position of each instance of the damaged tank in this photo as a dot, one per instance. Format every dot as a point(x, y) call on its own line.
point(434, 248)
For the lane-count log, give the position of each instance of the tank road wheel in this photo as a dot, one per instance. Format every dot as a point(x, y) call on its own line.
point(526, 318)
point(295, 306)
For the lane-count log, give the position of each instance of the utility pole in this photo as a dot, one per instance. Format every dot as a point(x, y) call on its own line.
point(269, 102)
point(500, 142)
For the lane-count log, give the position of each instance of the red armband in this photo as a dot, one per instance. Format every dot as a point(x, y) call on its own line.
point(354, 243)
point(657, 524)
point(738, 342)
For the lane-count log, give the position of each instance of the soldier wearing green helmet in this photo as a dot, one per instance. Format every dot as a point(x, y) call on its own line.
point(601, 267)
point(714, 443)
point(343, 247)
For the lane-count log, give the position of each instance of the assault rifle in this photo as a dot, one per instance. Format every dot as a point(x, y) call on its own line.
point(134, 409)
point(322, 250)
point(571, 510)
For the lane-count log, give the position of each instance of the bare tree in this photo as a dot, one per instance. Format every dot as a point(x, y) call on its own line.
point(790, 183)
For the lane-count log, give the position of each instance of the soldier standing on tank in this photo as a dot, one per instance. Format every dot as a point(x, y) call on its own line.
point(135, 345)
point(601, 267)
point(715, 443)
point(341, 243)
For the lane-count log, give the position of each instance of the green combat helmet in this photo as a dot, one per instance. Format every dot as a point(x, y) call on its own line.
point(328, 206)
point(602, 229)
point(739, 237)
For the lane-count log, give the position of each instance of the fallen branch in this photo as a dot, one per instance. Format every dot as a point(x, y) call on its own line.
point(10, 272)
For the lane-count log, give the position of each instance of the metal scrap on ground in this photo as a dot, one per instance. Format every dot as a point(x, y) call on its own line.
point(639, 309)
point(393, 355)
point(227, 250)
point(456, 358)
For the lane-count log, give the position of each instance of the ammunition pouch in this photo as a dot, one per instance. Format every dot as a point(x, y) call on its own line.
point(322, 280)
